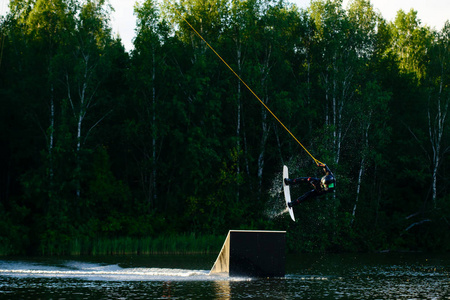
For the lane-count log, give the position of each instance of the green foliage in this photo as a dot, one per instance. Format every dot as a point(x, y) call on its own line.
point(163, 150)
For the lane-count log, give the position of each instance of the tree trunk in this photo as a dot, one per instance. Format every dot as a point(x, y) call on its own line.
point(262, 147)
point(362, 164)
point(436, 131)
point(154, 127)
point(265, 127)
point(358, 187)
point(52, 135)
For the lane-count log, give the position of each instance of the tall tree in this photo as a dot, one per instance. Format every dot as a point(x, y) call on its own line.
point(370, 107)
point(410, 42)
point(198, 100)
point(83, 69)
point(339, 66)
point(43, 27)
point(270, 36)
point(149, 60)
point(238, 28)
point(371, 117)
point(438, 80)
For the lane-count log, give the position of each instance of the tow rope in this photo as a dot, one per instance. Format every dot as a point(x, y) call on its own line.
point(245, 84)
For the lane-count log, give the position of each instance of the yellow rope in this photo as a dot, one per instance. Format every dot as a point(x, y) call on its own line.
point(243, 82)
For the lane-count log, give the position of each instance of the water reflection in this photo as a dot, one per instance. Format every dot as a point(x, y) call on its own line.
point(308, 277)
point(222, 289)
point(167, 290)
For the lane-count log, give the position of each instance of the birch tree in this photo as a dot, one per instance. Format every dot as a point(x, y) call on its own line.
point(339, 61)
point(271, 36)
point(50, 20)
point(370, 108)
point(438, 104)
point(84, 66)
point(410, 42)
point(241, 20)
point(372, 115)
point(45, 26)
point(198, 99)
point(148, 69)
point(414, 46)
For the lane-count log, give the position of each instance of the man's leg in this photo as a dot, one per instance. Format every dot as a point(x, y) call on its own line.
point(305, 197)
point(289, 181)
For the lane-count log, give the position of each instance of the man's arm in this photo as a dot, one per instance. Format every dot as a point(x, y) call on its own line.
point(326, 170)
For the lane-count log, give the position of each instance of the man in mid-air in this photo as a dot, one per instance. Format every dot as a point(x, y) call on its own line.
point(321, 186)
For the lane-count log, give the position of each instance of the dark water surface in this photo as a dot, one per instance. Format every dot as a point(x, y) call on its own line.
point(311, 276)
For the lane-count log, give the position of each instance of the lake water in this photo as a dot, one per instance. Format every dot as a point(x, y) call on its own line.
point(308, 276)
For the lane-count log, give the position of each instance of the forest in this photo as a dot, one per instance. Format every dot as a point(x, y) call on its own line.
point(163, 149)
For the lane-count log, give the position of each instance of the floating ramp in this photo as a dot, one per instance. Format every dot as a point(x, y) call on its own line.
point(253, 253)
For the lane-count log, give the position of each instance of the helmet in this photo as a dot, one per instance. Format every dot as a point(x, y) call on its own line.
point(328, 182)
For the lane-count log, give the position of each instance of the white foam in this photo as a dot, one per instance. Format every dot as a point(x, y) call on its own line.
point(104, 272)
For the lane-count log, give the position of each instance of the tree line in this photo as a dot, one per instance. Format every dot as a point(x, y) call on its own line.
point(99, 143)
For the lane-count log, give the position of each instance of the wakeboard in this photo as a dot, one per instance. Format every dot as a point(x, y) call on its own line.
point(287, 193)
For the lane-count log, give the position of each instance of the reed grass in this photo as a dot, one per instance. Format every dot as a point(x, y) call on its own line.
point(165, 244)
point(169, 244)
